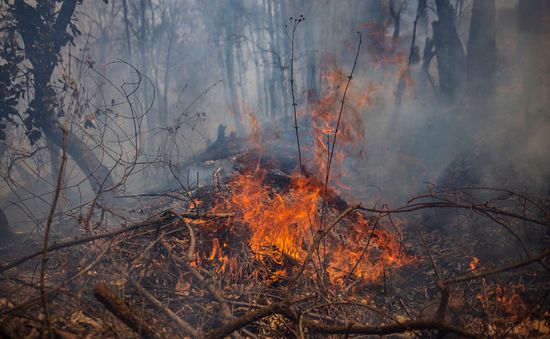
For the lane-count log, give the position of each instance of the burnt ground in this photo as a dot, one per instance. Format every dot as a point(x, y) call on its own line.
point(477, 266)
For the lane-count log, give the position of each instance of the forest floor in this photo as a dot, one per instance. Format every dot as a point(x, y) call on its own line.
point(184, 265)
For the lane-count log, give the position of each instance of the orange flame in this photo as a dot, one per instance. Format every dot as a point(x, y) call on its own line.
point(275, 221)
point(474, 263)
point(282, 223)
point(324, 117)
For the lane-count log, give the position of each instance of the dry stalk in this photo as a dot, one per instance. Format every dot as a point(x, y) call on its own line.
point(295, 25)
point(44, 261)
point(473, 207)
point(350, 76)
point(484, 274)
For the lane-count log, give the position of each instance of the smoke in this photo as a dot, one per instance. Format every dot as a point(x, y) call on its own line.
point(413, 135)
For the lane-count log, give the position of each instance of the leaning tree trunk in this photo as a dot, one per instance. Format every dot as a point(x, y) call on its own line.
point(97, 174)
point(42, 45)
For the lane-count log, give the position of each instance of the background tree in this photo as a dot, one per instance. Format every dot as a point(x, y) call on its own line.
point(43, 31)
point(451, 59)
point(481, 59)
point(530, 56)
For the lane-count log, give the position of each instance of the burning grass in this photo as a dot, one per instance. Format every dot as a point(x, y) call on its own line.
point(235, 267)
point(283, 223)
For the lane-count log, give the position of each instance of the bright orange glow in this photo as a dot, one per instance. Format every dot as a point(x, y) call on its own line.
point(324, 117)
point(282, 223)
point(474, 263)
point(275, 221)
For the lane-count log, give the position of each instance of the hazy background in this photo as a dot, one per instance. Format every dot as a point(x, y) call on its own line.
point(206, 63)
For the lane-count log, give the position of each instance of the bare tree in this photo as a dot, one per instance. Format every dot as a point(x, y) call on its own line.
point(44, 36)
point(451, 59)
point(482, 54)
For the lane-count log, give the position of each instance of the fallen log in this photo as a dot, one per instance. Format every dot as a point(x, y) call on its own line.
point(125, 313)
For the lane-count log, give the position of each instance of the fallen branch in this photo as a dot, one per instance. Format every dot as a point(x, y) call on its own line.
point(284, 310)
point(387, 329)
point(124, 312)
point(182, 323)
point(247, 319)
point(483, 274)
point(472, 207)
point(156, 220)
point(214, 292)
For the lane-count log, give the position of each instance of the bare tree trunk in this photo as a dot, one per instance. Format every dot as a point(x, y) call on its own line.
point(229, 56)
point(376, 19)
point(167, 72)
point(258, 53)
point(127, 28)
point(312, 81)
point(530, 55)
point(274, 52)
point(482, 55)
point(451, 60)
point(6, 233)
point(98, 174)
point(396, 7)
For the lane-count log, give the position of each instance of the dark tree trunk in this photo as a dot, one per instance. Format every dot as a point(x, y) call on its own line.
point(482, 55)
point(228, 23)
point(395, 11)
point(530, 56)
point(98, 174)
point(44, 59)
point(451, 60)
point(312, 81)
point(274, 62)
point(6, 233)
point(376, 26)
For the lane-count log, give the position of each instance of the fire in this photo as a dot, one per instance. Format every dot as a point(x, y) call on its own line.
point(282, 221)
point(350, 136)
point(276, 221)
point(281, 225)
point(474, 263)
point(504, 300)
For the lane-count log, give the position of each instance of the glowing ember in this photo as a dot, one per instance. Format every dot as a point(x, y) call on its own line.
point(474, 263)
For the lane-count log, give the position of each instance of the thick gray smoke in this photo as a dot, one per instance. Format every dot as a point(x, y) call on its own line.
point(183, 68)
